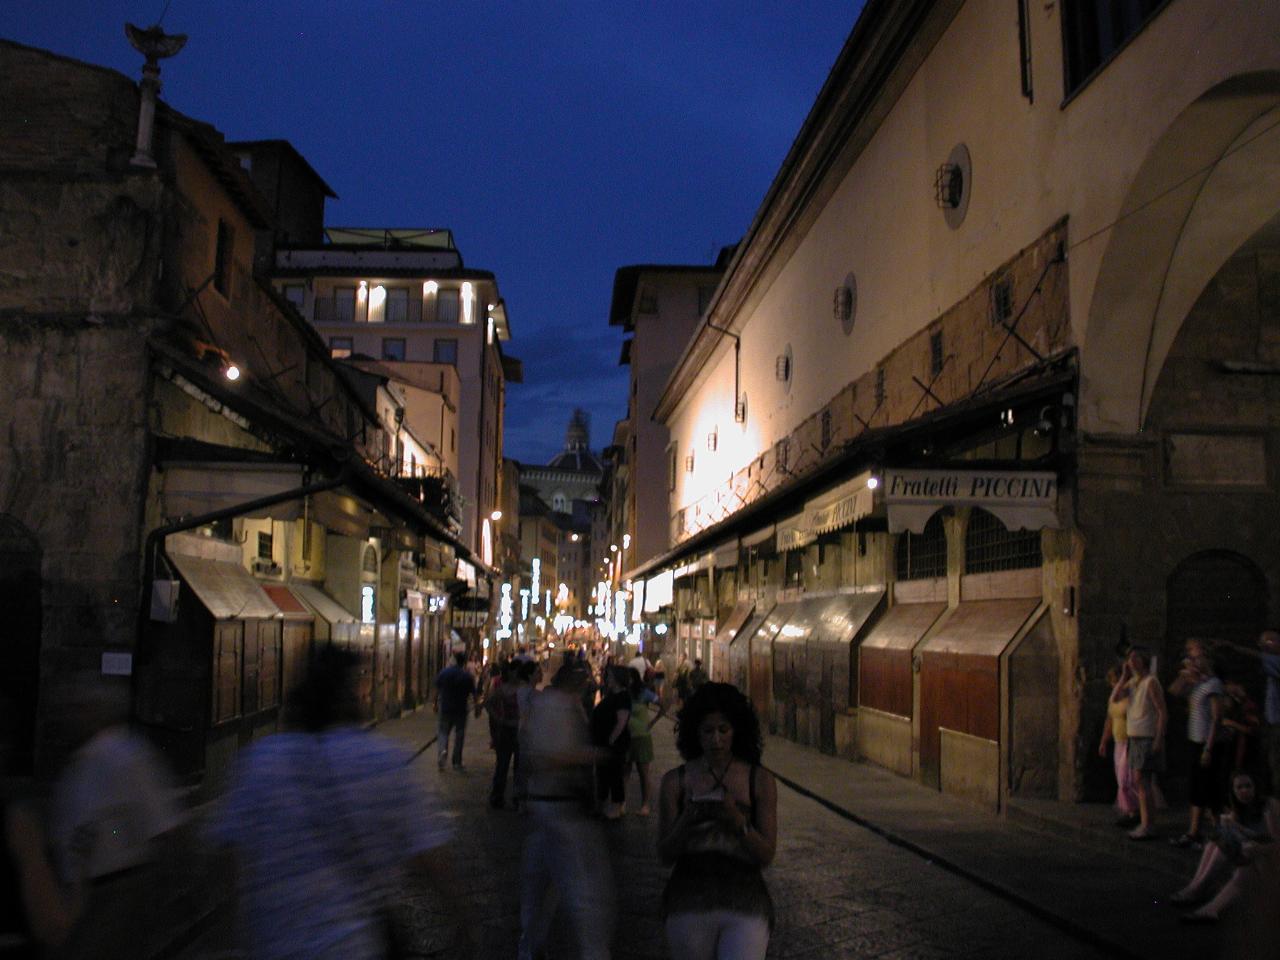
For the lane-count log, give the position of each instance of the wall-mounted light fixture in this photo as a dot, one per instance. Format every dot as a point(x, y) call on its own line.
point(430, 287)
point(712, 439)
point(688, 464)
point(740, 409)
point(362, 291)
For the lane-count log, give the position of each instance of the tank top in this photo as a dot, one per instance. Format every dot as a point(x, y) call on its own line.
point(1118, 711)
point(1141, 717)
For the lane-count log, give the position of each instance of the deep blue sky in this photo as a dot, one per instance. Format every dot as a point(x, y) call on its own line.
point(558, 140)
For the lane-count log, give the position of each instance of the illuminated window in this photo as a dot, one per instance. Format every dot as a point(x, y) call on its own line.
point(378, 304)
point(340, 347)
point(397, 308)
point(344, 304)
point(447, 306)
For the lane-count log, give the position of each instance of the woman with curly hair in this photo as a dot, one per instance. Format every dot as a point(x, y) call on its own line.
point(718, 826)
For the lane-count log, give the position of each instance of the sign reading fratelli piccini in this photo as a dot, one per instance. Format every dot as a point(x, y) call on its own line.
point(1022, 500)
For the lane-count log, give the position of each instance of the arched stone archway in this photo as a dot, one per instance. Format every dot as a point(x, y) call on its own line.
point(1214, 595)
point(1207, 186)
point(20, 592)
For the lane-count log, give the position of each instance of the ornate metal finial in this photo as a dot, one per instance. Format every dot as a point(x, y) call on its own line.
point(154, 44)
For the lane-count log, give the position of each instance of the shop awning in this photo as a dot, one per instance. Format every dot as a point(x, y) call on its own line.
point(758, 537)
point(225, 588)
point(753, 624)
point(342, 513)
point(793, 534)
point(696, 565)
point(291, 608)
point(735, 621)
point(842, 617)
point(903, 626)
point(841, 506)
point(659, 592)
point(189, 489)
point(982, 627)
point(325, 606)
point(725, 556)
point(1020, 500)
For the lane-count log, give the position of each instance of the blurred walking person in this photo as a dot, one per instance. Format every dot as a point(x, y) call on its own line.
point(565, 863)
point(327, 824)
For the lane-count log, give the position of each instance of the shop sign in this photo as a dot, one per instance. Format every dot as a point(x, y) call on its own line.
point(1021, 500)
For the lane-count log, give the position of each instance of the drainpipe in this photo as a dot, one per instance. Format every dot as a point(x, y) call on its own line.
point(737, 356)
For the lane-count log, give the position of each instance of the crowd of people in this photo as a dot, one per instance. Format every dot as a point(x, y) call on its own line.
point(1232, 752)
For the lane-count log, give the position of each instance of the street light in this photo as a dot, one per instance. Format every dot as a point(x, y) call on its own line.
point(495, 516)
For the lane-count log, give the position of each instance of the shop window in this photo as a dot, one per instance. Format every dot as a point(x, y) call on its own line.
point(989, 547)
point(923, 556)
point(1095, 30)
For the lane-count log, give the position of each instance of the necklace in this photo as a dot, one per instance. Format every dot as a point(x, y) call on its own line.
point(719, 777)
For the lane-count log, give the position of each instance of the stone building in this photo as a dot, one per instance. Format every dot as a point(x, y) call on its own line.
point(192, 494)
point(998, 392)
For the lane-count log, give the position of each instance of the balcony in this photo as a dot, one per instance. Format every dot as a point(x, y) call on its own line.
point(438, 493)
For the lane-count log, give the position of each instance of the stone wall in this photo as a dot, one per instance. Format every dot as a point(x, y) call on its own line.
point(1140, 518)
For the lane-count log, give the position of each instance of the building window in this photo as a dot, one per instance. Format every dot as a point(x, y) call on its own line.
point(671, 468)
point(222, 255)
point(782, 454)
point(880, 386)
point(1095, 30)
point(447, 305)
point(923, 556)
point(393, 348)
point(936, 356)
point(445, 351)
point(340, 347)
point(344, 304)
point(264, 545)
point(826, 429)
point(989, 547)
point(397, 307)
point(295, 293)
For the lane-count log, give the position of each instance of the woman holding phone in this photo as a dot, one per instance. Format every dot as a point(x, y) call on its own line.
point(718, 826)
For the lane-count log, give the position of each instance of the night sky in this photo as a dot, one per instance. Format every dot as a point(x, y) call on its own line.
point(558, 140)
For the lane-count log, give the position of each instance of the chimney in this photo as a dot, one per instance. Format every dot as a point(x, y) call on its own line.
point(154, 44)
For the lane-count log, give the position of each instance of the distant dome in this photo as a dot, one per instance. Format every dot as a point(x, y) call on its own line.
point(577, 455)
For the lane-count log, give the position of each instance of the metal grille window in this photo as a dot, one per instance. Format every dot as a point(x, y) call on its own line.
point(1001, 301)
point(923, 556)
point(826, 429)
point(936, 356)
point(989, 547)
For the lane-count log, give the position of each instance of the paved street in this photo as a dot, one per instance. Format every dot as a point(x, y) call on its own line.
point(842, 891)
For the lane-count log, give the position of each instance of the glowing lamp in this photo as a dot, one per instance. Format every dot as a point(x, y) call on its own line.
point(232, 372)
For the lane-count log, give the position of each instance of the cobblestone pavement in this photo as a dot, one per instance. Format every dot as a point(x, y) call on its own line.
point(841, 891)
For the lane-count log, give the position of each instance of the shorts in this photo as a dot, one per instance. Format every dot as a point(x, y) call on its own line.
point(1142, 758)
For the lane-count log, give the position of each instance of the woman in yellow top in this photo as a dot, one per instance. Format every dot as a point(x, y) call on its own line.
point(1114, 730)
